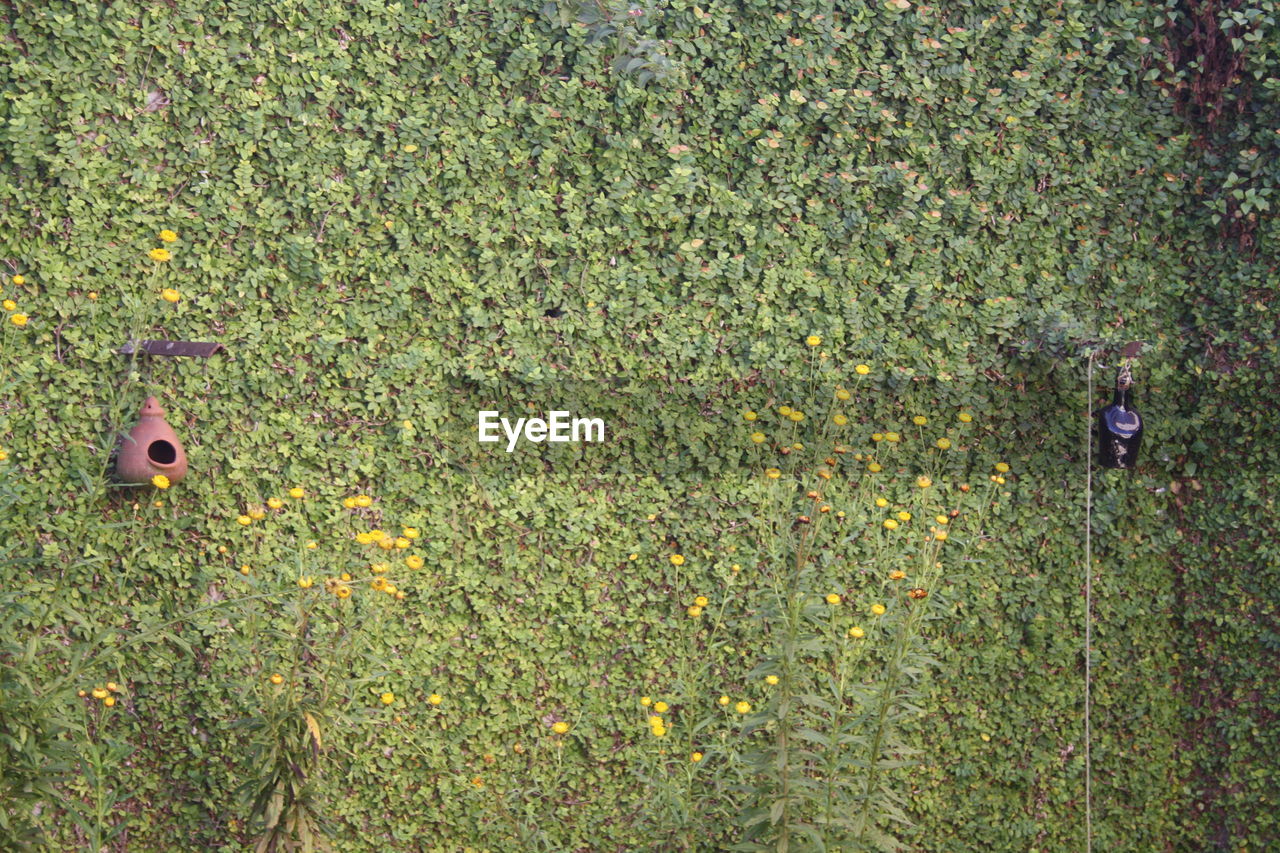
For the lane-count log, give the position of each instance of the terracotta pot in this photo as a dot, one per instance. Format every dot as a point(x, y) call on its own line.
point(151, 448)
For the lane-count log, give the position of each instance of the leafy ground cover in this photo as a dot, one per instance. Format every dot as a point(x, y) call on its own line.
point(394, 215)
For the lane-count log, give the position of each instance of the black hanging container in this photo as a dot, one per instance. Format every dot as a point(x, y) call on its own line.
point(1120, 426)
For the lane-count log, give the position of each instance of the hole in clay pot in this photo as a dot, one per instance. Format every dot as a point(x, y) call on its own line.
point(162, 452)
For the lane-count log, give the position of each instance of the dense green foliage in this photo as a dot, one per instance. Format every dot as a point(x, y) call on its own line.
point(393, 214)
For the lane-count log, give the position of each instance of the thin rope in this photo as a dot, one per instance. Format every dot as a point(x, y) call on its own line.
point(1088, 617)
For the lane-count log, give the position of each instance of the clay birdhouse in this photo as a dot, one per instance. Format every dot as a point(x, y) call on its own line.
point(151, 448)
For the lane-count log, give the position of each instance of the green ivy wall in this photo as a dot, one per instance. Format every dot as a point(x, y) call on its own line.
point(378, 204)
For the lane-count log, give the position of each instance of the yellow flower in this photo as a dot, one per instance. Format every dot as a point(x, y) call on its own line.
point(345, 576)
point(400, 595)
point(942, 519)
point(840, 420)
point(941, 536)
point(364, 538)
point(796, 417)
point(410, 533)
point(160, 481)
point(386, 543)
point(402, 543)
point(306, 581)
point(843, 395)
point(109, 701)
point(560, 727)
point(784, 410)
point(413, 561)
point(9, 305)
point(646, 701)
point(964, 417)
point(1000, 480)
point(897, 575)
point(813, 340)
point(113, 687)
point(772, 473)
point(701, 601)
point(877, 436)
point(297, 493)
point(435, 699)
point(170, 295)
point(363, 500)
point(409, 149)
point(343, 591)
point(757, 437)
point(677, 559)
point(694, 611)
point(877, 609)
point(695, 757)
point(892, 437)
point(723, 700)
point(874, 468)
point(881, 502)
point(92, 294)
point(832, 598)
point(857, 633)
point(749, 415)
point(245, 520)
point(660, 707)
point(943, 443)
point(742, 707)
point(100, 693)
point(244, 570)
point(924, 482)
point(387, 698)
point(1002, 467)
point(378, 583)
point(19, 280)
point(659, 731)
point(167, 236)
point(904, 516)
point(277, 678)
point(919, 420)
point(349, 503)
point(862, 370)
point(18, 319)
point(379, 568)
point(159, 254)
point(275, 503)
point(771, 679)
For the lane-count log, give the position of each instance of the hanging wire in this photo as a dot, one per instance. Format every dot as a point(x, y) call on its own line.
point(1088, 615)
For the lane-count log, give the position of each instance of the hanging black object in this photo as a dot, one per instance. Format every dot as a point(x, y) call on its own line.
point(1120, 426)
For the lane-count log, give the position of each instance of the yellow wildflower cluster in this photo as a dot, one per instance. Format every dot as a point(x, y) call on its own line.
point(105, 694)
point(16, 317)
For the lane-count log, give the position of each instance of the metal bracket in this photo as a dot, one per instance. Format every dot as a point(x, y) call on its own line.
point(174, 349)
